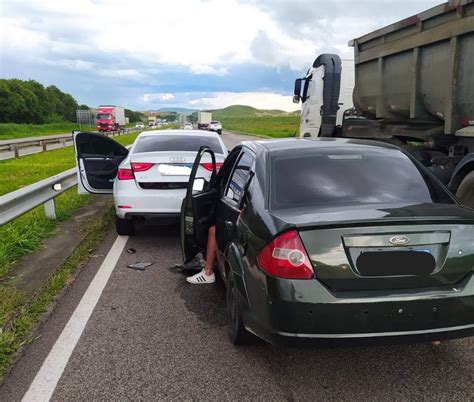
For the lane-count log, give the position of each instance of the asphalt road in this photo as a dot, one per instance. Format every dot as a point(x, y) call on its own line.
point(153, 336)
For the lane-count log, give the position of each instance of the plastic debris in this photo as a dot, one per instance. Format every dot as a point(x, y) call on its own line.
point(139, 266)
point(131, 250)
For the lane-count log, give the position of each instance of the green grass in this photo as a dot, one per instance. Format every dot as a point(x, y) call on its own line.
point(18, 320)
point(12, 130)
point(272, 126)
point(26, 234)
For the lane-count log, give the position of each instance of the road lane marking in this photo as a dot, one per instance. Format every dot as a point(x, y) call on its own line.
point(44, 384)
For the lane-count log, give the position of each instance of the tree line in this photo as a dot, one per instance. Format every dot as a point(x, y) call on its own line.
point(31, 102)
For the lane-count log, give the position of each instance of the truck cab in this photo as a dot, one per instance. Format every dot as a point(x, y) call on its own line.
point(325, 93)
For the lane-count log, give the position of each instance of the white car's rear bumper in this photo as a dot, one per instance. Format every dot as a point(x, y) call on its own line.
point(133, 201)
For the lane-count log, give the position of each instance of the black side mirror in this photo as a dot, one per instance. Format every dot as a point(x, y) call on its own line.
point(297, 91)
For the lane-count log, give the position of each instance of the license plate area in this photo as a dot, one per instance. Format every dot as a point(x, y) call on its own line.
point(175, 169)
point(395, 262)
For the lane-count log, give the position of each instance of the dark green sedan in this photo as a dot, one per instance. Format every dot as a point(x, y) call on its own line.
point(333, 239)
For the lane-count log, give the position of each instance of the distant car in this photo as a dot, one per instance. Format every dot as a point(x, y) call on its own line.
point(151, 178)
point(151, 124)
point(215, 126)
point(334, 239)
point(187, 126)
point(139, 125)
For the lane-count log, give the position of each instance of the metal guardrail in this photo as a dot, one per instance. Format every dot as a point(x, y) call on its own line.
point(15, 145)
point(17, 203)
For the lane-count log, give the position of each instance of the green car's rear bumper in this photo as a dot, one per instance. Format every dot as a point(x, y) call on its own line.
point(294, 312)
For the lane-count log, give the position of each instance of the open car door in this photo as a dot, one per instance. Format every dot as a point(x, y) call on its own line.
point(98, 158)
point(198, 207)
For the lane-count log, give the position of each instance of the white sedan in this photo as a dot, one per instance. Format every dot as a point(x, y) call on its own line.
point(187, 126)
point(150, 179)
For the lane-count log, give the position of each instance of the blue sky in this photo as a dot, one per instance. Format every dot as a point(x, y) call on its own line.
point(187, 53)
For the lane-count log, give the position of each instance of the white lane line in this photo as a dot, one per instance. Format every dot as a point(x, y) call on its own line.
point(44, 384)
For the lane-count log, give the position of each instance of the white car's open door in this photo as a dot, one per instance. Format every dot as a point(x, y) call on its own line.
point(97, 158)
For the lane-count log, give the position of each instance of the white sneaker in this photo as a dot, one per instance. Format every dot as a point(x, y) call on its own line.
point(201, 278)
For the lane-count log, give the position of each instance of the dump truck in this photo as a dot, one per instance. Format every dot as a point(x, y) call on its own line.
point(413, 86)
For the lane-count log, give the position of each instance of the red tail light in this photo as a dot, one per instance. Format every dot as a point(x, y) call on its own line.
point(285, 257)
point(208, 166)
point(125, 174)
point(141, 166)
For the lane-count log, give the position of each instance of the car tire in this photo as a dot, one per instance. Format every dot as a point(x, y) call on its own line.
point(219, 132)
point(465, 192)
point(238, 335)
point(124, 227)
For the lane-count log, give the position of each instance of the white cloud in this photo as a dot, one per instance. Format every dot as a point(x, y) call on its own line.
point(259, 100)
point(158, 97)
point(209, 70)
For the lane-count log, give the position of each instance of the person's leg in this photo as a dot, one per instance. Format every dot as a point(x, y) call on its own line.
point(207, 274)
point(210, 251)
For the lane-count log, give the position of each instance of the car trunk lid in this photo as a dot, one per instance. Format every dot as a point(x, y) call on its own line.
point(387, 247)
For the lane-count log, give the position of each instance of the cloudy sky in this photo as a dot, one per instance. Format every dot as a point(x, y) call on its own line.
point(189, 53)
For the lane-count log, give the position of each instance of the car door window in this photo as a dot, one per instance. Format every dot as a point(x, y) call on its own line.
point(238, 179)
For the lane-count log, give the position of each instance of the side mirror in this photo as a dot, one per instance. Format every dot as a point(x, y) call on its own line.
point(297, 91)
point(198, 184)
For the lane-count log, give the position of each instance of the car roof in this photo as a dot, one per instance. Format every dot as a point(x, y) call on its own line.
point(278, 145)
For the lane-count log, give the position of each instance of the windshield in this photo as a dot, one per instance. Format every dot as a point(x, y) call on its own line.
point(104, 116)
point(176, 143)
point(329, 177)
point(214, 122)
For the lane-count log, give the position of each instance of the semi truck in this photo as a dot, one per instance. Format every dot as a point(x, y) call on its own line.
point(110, 118)
point(204, 118)
point(413, 86)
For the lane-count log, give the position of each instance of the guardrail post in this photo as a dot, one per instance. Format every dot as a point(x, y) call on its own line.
point(16, 151)
point(50, 209)
point(43, 144)
point(63, 141)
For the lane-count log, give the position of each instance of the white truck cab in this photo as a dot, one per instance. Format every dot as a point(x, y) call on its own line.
point(325, 93)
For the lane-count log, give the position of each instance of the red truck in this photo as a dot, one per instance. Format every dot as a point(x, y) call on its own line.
point(110, 118)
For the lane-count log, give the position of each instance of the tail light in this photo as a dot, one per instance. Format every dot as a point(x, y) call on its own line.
point(125, 174)
point(208, 166)
point(141, 166)
point(286, 257)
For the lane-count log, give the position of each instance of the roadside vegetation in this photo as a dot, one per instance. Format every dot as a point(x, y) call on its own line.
point(247, 119)
point(271, 126)
point(9, 131)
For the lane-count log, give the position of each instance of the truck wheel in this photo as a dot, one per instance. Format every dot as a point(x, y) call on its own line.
point(219, 132)
point(124, 227)
point(237, 333)
point(465, 192)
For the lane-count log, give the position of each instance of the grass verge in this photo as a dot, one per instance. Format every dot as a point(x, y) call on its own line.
point(271, 126)
point(16, 331)
point(10, 131)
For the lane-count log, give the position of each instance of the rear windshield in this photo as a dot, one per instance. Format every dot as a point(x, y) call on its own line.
point(328, 177)
point(176, 143)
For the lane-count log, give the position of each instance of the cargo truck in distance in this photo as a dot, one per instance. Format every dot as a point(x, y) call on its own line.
point(204, 119)
point(110, 118)
point(413, 87)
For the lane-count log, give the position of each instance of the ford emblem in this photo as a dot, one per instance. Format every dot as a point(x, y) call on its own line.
point(399, 240)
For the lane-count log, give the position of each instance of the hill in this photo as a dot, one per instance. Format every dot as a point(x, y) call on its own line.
point(267, 122)
point(242, 111)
